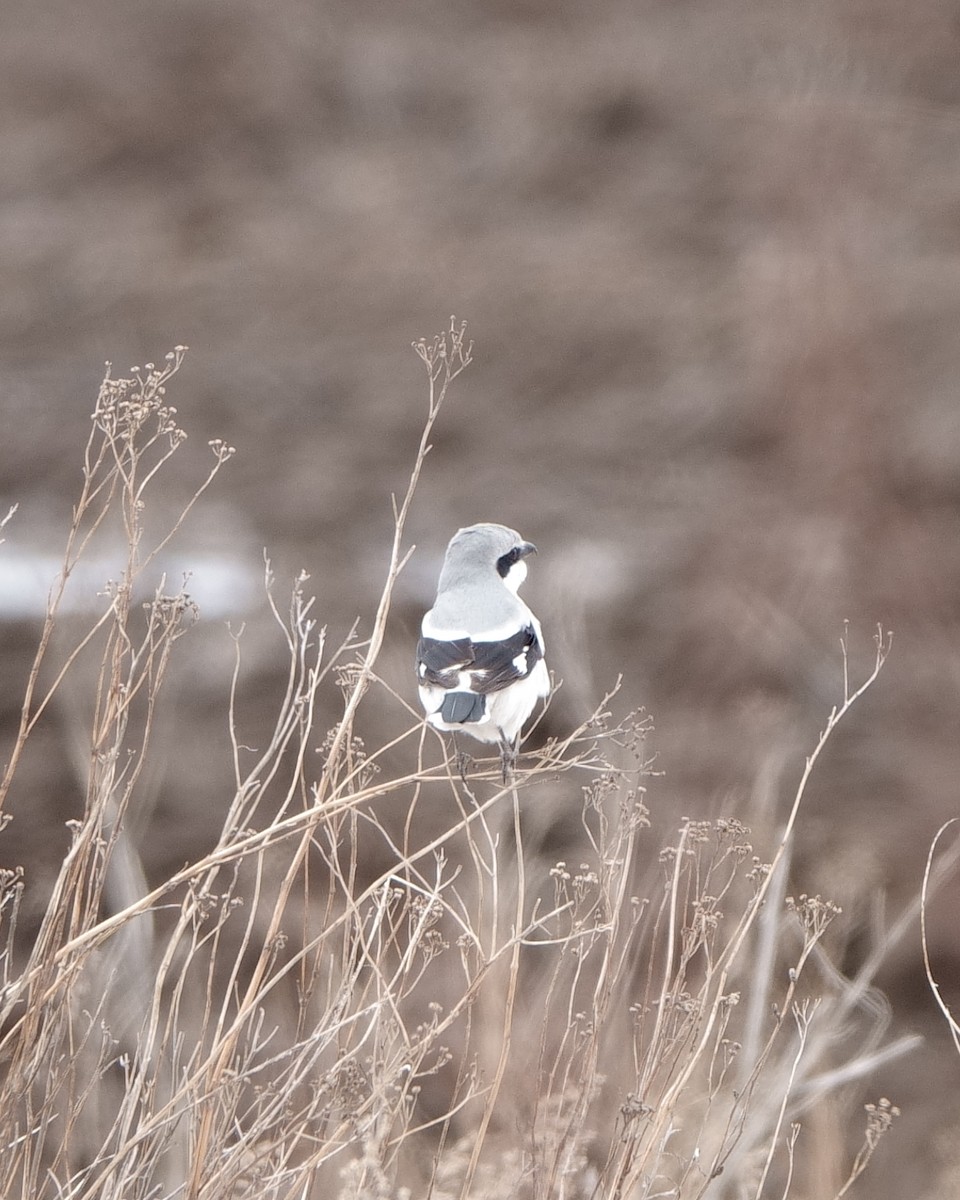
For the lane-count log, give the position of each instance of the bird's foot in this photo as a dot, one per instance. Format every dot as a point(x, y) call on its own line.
point(463, 760)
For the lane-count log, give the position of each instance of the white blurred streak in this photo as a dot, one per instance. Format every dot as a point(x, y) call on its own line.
point(221, 586)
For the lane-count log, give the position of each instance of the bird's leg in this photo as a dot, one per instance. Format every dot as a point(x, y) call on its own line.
point(508, 756)
point(463, 759)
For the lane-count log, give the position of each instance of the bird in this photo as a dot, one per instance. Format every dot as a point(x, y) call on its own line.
point(480, 657)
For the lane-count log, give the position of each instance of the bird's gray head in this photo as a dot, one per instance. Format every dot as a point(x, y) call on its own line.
point(485, 551)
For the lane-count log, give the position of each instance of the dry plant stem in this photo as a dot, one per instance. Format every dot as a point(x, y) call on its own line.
point(879, 1119)
point(802, 1014)
point(948, 1016)
point(791, 1160)
point(11, 512)
point(506, 1036)
point(759, 1001)
point(667, 983)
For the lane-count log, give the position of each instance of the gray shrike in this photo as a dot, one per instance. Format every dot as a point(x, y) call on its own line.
point(480, 665)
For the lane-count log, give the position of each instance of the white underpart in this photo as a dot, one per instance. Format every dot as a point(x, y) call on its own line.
point(507, 710)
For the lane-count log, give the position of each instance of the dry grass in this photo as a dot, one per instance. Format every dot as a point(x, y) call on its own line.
point(473, 1021)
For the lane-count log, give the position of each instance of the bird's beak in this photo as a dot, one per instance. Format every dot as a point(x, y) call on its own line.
point(526, 548)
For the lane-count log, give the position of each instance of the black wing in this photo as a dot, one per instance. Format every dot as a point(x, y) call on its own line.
point(439, 663)
point(498, 664)
point(492, 665)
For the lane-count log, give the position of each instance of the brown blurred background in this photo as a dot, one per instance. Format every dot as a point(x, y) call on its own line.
point(710, 254)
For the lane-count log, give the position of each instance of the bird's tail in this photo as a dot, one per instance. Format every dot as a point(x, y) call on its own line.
point(463, 708)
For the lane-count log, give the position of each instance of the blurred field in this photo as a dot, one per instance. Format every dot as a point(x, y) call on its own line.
point(710, 254)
